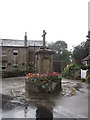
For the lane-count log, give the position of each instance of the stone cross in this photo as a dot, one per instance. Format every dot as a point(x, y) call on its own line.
point(44, 33)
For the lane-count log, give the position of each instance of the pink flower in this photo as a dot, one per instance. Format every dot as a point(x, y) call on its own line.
point(44, 81)
point(57, 73)
point(41, 75)
point(27, 76)
point(48, 75)
point(53, 73)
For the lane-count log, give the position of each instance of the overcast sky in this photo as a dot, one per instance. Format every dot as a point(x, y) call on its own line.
point(62, 19)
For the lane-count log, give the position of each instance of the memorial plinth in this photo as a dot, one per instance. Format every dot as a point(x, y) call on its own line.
point(44, 80)
point(44, 60)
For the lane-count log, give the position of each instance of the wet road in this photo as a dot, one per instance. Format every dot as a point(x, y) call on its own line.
point(70, 103)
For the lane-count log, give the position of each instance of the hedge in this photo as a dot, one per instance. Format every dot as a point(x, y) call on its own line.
point(15, 73)
point(88, 79)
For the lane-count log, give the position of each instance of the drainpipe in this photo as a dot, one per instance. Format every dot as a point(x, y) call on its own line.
point(25, 44)
point(25, 39)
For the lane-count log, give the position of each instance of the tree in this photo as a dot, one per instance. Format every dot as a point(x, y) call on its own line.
point(81, 51)
point(62, 54)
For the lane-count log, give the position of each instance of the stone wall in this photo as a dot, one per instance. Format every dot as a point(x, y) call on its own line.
point(9, 59)
point(25, 56)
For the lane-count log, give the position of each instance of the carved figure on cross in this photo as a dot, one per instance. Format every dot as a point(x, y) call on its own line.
point(44, 33)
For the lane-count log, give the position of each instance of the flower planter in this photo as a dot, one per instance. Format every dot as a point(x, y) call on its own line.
point(43, 83)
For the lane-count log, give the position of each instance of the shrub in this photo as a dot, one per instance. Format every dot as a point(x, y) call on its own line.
point(15, 73)
point(88, 72)
point(85, 67)
point(88, 79)
point(72, 71)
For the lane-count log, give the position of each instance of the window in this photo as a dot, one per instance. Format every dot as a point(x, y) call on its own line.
point(4, 52)
point(23, 63)
point(15, 65)
point(9, 63)
point(15, 52)
point(4, 65)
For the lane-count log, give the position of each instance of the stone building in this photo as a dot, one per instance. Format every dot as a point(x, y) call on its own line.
point(18, 54)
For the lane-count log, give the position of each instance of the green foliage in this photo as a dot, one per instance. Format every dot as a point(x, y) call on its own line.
point(62, 54)
point(59, 46)
point(85, 67)
point(14, 73)
point(88, 79)
point(31, 67)
point(72, 71)
point(88, 72)
point(81, 51)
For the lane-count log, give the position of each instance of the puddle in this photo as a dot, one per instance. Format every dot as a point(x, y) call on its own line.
point(22, 104)
point(21, 112)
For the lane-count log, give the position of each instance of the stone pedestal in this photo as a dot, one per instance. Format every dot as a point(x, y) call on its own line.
point(44, 60)
point(44, 66)
point(32, 87)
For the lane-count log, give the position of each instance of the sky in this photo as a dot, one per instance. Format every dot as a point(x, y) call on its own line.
point(65, 20)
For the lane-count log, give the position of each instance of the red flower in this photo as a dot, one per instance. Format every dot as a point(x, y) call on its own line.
point(34, 75)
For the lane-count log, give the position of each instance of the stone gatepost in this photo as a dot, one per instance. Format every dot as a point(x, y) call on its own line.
point(44, 58)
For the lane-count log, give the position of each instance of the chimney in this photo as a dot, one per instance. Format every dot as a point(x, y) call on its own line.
point(88, 34)
point(25, 39)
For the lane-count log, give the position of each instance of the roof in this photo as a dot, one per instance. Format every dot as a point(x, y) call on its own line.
point(86, 58)
point(12, 42)
point(44, 51)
